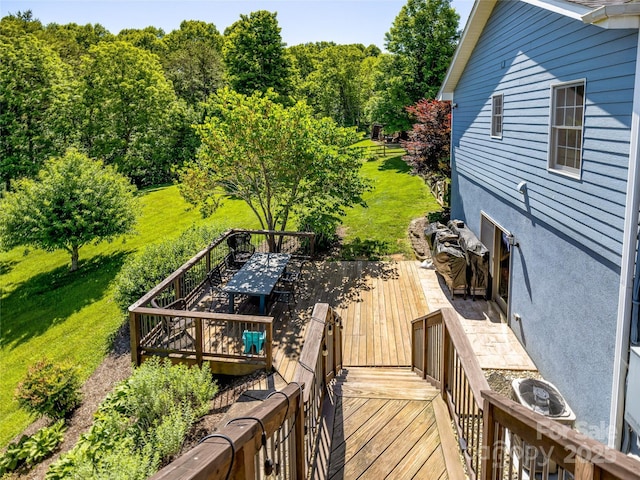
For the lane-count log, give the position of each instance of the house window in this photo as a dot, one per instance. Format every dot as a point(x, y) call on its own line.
point(567, 120)
point(496, 116)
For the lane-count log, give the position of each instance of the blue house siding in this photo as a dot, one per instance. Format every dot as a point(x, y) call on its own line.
point(566, 269)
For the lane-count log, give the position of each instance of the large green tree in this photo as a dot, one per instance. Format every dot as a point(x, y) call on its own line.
point(126, 108)
point(255, 55)
point(422, 40)
point(73, 201)
point(34, 104)
point(193, 61)
point(336, 84)
point(280, 160)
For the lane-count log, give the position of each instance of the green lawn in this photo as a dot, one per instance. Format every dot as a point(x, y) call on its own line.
point(397, 198)
point(45, 311)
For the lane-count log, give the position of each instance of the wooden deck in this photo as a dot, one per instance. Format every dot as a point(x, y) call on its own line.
point(376, 300)
point(382, 421)
point(386, 423)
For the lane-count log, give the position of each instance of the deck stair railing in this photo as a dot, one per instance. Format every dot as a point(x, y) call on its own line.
point(499, 438)
point(168, 320)
point(442, 354)
point(279, 437)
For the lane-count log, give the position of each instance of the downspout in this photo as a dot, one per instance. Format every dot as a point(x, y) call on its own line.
point(621, 354)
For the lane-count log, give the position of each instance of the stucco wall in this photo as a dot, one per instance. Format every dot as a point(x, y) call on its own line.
point(565, 271)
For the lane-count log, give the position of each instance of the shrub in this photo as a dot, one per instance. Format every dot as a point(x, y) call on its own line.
point(142, 423)
point(49, 389)
point(372, 250)
point(142, 272)
point(29, 451)
point(324, 226)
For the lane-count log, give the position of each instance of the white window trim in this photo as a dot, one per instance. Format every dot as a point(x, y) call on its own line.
point(551, 166)
point(493, 115)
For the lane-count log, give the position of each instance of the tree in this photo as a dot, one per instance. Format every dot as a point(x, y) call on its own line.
point(428, 147)
point(279, 160)
point(424, 35)
point(422, 41)
point(126, 106)
point(336, 85)
point(255, 55)
point(34, 102)
point(193, 62)
point(73, 201)
point(149, 38)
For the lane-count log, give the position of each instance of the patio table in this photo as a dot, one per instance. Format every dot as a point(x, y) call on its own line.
point(257, 277)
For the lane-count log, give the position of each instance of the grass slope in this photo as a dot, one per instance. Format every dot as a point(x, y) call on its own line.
point(45, 311)
point(397, 198)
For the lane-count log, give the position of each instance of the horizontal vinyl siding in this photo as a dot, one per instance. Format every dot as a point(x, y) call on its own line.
point(522, 51)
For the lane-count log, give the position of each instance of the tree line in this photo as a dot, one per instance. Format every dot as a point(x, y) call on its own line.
point(131, 99)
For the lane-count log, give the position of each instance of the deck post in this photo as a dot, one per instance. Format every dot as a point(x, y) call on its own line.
point(300, 452)
point(425, 347)
point(444, 368)
point(488, 441)
point(199, 341)
point(269, 347)
point(134, 328)
point(585, 470)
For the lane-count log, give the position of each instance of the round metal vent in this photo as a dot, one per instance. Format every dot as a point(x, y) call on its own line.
point(541, 397)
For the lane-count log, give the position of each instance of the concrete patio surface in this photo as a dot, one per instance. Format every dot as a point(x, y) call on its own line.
point(493, 341)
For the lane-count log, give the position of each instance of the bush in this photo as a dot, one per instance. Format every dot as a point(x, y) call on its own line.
point(29, 451)
point(142, 272)
point(49, 390)
point(372, 250)
point(324, 226)
point(141, 424)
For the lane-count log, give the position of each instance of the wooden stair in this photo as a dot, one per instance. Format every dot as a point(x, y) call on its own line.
point(393, 383)
point(385, 422)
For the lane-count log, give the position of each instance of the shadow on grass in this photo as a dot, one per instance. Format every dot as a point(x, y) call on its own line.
point(50, 298)
point(396, 164)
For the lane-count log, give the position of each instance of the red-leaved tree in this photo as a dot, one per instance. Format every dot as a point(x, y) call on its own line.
point(428, 147)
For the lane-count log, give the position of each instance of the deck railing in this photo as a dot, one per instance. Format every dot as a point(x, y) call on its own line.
point(279, 437)
point(197, 337)
point(443, 356)
point(500, 439)
point(165, 321)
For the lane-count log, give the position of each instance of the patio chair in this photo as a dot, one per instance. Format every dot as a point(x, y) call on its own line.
point(292, 276)
point(253, 339)
point(284, 293)
point(240, 248)
point(215, 282)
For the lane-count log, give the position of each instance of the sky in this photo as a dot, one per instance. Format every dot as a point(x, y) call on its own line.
point(301, 21)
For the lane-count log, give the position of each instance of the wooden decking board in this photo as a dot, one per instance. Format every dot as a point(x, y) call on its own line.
point(419, 454)
point(358, 434)
point(376, 447)
point(373, 434)
point(400, 447)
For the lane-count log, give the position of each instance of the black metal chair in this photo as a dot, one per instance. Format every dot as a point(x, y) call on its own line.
point(283, 293)
point(215, 282)
point(241, 248)
point(292, 275)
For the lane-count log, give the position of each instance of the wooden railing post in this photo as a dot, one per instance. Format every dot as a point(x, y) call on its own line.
point(488, 441)
point(300, 453)
point(444, 368)
point(134, 329)
point(269, 347)
point(425, 347)
point(199, 339)
point(585, 470)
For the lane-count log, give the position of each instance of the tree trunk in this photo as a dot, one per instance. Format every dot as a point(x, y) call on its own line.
point(74, 258)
